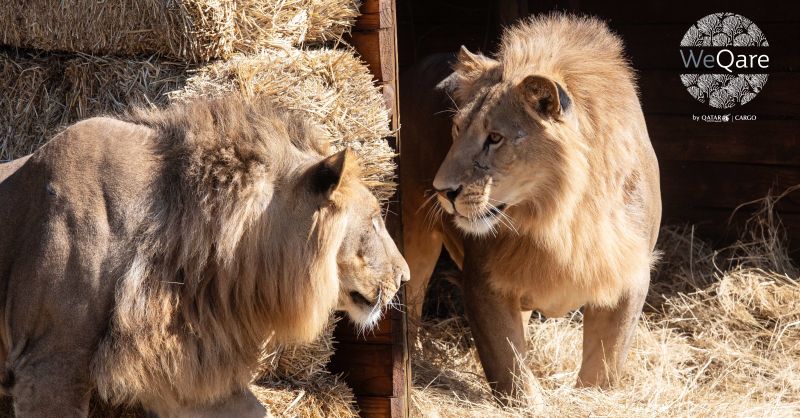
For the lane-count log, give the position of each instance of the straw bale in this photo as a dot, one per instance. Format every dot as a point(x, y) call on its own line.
point(187, 30)
point(333, 88)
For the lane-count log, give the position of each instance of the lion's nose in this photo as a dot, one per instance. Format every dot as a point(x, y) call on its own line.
point(402, 274)
point(450, 194)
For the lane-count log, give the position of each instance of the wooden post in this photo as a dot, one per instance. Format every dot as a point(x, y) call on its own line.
point(376, 366)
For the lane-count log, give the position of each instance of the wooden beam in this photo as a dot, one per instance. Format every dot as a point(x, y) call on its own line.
point(376, 365)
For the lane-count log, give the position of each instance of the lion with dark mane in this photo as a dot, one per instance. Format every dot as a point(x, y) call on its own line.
point(150, 257)
point(550, 185)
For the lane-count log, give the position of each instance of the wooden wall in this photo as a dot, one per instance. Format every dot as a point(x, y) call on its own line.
point(707, 169)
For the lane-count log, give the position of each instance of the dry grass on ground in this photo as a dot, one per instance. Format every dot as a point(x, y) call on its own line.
point(720, 336)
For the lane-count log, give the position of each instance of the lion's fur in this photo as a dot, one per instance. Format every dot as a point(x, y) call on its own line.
point(214, 243)
point(582, 185)
point(607, 196)
point(218, 223)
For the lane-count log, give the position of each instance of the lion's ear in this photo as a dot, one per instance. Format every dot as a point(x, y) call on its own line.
point(468, 69)
point(327, 175)
point(545, 96)
point(449, 84)
point(471, 65)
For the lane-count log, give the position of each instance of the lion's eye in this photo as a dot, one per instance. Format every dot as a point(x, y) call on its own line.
point(455, 130)
point(376, 223)
point(493, 139)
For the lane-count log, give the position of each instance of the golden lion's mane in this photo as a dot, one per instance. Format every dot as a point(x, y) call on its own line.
point(214, 270)
point(592, 200)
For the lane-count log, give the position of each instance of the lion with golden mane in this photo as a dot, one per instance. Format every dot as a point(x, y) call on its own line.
point(550, 185)
point(150, 257)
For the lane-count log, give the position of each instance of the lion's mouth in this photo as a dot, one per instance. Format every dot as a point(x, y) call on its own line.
point(360, 299)
point(484, 222)
point(491, 213)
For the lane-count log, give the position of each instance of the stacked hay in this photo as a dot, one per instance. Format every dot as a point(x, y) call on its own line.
point(188, 30)
point(720, 337)
point(43, 93)
point(65, 61)
point(332, 87)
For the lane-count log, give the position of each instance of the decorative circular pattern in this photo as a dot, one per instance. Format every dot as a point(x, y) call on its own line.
point(726, 90)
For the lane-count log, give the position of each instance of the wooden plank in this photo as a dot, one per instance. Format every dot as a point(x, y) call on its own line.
point(374, 406)
point(723, 226)
point(374, 37)
point(724, 185)
point(345, 332)
point(368, 369)
point(378, 406)
point(676, 11)
point(706, 194)
point(508, 11)
point(375, 365)
point(769, 142)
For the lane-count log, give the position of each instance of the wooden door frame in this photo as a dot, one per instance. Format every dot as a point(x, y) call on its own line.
point(376, 366)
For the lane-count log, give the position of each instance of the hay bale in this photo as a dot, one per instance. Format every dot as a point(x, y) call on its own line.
point(43, 93)
point(721, 338)
point(298, 364)
point(188, 30)
point(332, 87)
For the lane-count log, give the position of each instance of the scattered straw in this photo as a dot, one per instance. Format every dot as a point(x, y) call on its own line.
point(720, 337)
point(43, 93)
point(294, 381)
point(188, 30)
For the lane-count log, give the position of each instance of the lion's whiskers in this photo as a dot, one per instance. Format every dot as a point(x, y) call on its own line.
point(427, 200)
point(434, 212)
point(490, 226)
point(501, 216)
point(374, 315)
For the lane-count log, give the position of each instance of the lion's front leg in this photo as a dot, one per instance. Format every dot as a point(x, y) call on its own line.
point(496, 323)
point(50, 383)
point(607, 334)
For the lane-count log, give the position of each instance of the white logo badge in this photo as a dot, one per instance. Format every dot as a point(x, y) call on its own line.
point(725, 59)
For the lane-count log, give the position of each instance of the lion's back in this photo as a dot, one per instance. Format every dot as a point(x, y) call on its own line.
point(65, 212)
point(93, 168)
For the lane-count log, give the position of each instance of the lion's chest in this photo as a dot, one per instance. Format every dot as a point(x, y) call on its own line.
point(543, 282)
point(550, 292)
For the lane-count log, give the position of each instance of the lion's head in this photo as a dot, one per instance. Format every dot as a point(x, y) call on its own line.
point(511, 137)
point(370, 267)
